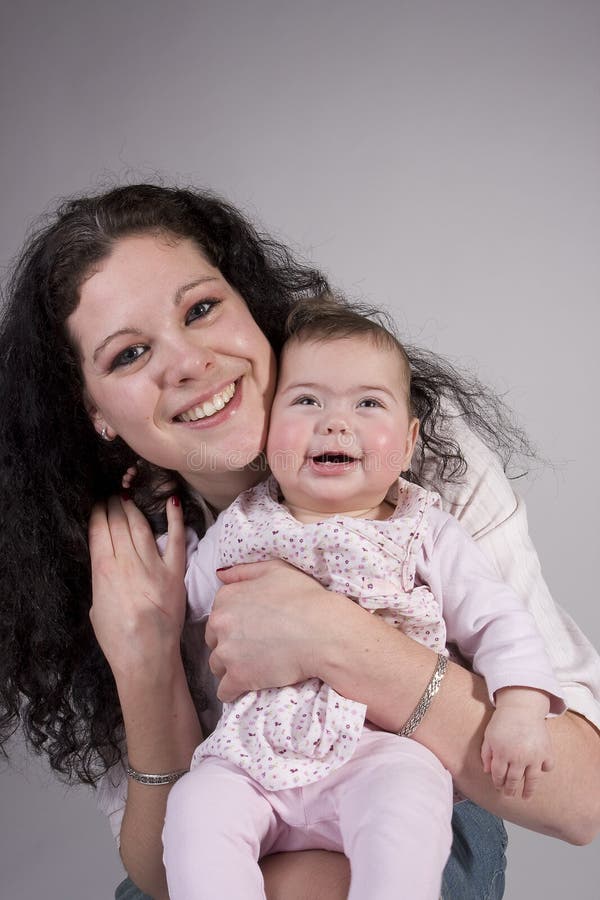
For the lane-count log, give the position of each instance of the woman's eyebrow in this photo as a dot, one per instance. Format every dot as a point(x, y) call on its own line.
point(107, 340)
point(182, 291)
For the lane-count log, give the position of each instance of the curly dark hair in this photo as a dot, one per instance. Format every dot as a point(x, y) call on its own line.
point(54, 679)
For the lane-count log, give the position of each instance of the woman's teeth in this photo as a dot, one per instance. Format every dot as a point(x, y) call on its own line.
point(209, 407)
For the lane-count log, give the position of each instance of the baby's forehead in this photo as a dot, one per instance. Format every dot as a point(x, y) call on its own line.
point(310, 357)
point(371, 349)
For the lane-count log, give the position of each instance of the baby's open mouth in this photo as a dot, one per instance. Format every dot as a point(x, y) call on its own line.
point(333, 458)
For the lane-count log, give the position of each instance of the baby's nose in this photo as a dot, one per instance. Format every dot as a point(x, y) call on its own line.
point(335, 425)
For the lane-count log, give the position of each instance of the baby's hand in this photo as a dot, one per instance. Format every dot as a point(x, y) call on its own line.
point(516, 746)
point(128, 478)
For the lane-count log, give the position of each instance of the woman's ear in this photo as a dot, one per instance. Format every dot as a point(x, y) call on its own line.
point(97, 419)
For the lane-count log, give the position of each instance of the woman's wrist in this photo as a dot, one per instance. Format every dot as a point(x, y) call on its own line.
point(342, 627)
point(161, 723)
point(422, 707)
point(367, 660)
point(162, 731)
point(153, 668)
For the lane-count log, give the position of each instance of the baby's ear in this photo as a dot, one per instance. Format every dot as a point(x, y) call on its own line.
point(411, 439)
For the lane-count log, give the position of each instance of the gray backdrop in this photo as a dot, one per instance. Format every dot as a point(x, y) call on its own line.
point(438, 157)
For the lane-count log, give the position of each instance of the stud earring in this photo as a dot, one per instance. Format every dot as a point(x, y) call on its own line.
point(104, 433)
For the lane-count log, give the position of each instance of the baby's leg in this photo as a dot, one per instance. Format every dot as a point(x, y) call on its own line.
point(216, 821)
point(395, 808)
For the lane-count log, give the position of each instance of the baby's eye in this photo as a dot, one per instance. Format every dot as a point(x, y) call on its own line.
point(127, 356)
point(305, 401)
point(369, 403)
point(200, 310)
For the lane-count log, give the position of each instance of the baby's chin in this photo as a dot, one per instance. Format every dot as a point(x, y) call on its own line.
point(307, 507)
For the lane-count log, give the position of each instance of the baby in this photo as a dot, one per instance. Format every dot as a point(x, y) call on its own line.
point(298, 767)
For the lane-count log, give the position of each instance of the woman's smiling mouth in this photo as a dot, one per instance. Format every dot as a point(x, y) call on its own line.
point(209, 407)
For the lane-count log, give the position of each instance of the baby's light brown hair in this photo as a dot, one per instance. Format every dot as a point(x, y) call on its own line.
point(330, 318)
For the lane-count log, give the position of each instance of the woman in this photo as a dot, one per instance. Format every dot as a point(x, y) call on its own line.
point(143, 324)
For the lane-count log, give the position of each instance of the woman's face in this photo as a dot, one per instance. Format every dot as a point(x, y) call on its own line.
point(172, 360)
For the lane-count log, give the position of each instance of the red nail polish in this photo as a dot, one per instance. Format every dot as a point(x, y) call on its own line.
point(222, 569)
point(125, 495)
point(175, 500)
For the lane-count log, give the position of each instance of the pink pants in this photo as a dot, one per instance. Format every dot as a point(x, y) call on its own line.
point(388, 809)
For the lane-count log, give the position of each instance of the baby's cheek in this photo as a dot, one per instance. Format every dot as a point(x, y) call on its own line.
point(285, 447)
point(385, 440)
point(387, 449)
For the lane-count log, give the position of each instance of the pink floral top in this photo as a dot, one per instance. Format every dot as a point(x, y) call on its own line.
point(292, 736)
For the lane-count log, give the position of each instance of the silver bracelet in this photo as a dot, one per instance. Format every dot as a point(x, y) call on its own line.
point(425, 702)
point(145, 778)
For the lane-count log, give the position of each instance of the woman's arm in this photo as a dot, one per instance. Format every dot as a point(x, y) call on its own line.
point(137, 615)
point(138, 610)
point(162, 731)
point(313, 632)
point(306, 875)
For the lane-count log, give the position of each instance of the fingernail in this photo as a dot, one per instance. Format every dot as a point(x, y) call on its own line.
point(222, 569)
point(125, 495)
point(175, 500)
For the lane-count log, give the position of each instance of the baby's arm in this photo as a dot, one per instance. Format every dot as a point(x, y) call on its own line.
point(516, 746)
point(490, 626)
point(484, 617)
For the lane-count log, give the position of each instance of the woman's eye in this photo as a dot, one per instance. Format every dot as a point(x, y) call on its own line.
point(127, 356)
point(200, 310)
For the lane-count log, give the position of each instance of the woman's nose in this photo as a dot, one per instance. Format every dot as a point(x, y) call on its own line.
point(183, 360)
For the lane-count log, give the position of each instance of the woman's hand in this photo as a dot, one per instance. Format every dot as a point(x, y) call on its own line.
point(139, 596)
point(138, 613)
point(269, 627)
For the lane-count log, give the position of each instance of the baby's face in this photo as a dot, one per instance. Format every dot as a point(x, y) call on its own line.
point(340, 431)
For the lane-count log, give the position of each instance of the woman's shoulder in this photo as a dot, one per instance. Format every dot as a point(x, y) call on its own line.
point(482, 497)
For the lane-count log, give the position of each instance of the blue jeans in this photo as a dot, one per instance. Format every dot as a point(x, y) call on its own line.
point(475, 870)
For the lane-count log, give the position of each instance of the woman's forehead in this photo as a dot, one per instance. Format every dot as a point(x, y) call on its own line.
point(141, 269)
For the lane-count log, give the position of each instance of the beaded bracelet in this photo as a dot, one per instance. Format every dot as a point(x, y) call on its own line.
point(425, 702)
point(145, 778)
